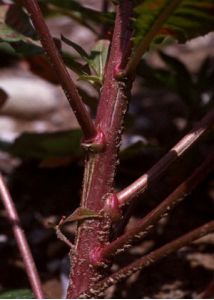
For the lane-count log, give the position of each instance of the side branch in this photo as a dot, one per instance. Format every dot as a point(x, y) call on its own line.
point(20, 237)
point(141, 184)
point(149, 259)
point(57, 64)
point(143, 227)
point(144, 45)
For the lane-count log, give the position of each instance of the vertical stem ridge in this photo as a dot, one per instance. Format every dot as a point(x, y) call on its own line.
point(100, 168)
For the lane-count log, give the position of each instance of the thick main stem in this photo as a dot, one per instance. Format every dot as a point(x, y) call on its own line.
point(141, 184)
point(58, 66)
point(21, 241)
point(100, 168)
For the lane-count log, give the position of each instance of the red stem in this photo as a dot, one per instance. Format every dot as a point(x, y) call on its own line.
point(141, 184)
point(143, 227)
point(58, 66)
point(148, 259)
point(100, 168)
point(20, 237)
point(208, 293)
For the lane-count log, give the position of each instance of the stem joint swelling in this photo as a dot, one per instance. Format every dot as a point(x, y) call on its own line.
point(97, 259)
point(96, 144)
point(112, 208)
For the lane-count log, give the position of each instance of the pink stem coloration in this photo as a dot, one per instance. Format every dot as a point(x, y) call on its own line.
point(148, 260)
point(141, 184)
point(143, 227)
point(100, 167)
point(20, 237)
point(208, 293)
point(57, 64)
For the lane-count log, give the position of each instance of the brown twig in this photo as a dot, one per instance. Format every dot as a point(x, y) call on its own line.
point(143, 227)
point(148, 260)
point(141, 184)
point(58, 65)
point(20, 237)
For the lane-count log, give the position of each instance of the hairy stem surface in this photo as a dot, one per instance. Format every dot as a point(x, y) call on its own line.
point(143, 227)
point(100, 167)
point(149, 259)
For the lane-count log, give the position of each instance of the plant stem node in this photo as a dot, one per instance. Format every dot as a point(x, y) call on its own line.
point(112, 207)
point(96, 144)
point(96, 257)
point(118, 73)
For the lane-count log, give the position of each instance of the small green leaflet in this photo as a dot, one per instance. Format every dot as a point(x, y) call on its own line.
point(82, 213)
point(96, 61)
point(98, 58)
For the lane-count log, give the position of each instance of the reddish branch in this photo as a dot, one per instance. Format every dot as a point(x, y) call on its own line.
point(100, 168)
point(142, 227)
point(148, 259)
point(141, 184)
point(208, 293)
point(57, 64)
point(21, 241)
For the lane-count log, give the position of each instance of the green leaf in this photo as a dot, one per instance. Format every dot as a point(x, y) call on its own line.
point(81, 12)
point(92, 79)
point(16, 30)
point(98, 58)
point(45, 145)
point(14, 24)
point(17, 294)
point(80, 214)
point(74, 65)
point(186, 20)
point(76, 47)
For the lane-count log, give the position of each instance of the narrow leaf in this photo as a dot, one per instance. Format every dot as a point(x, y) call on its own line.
point(78, 48)
point(98, 57)
point(80, 214)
